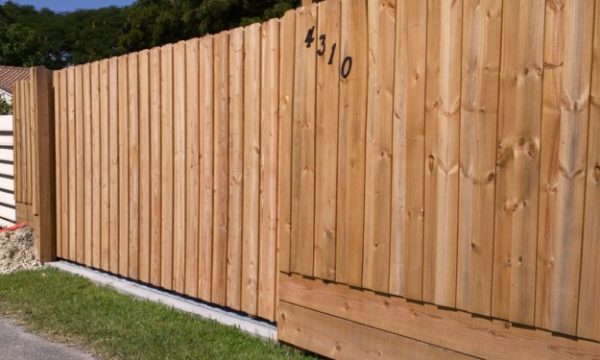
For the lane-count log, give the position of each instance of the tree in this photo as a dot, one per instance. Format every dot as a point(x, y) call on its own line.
point(5, 107)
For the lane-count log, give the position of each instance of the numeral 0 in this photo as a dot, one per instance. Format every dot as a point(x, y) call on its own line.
point(346, 67)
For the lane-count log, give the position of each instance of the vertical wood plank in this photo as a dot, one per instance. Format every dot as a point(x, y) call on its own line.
point(351, 146)
point(64, 161)
point(327, 112)
point(95, 159)
point(221, 168)
point(442, 149)
point(517, 161)
point(287, 40)
point(179, 76)
point(267, 270)
point(588, 324)
point(376, 259)
point(236, 167)
point(192, 157)
point(479, 115)
point(406, 243)
point(251, 168)
point(155, 171)
point(113, 150)
point(144, 157)
point(134, 164)
point(206, 169)
point(58, 142)
point(124, 211)
point(104, 167)
point(87, 165)
point(80, 236)
point(166, 123)
point(303, 155)
point(567, 74)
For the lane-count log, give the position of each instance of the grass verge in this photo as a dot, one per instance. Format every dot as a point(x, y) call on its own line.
point(111, 325)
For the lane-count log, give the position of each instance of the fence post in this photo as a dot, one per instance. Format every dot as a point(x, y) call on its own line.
point(44, 166)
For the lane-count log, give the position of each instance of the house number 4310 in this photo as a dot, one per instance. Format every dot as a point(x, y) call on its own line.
point(322, 49)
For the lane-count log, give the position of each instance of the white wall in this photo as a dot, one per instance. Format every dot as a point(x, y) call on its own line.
point(7, 183)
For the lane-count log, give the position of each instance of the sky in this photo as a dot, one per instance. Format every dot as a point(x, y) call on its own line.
point(66, 5)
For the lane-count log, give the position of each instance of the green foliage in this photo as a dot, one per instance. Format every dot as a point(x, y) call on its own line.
point(5, 107)
point(116, 326)
point(30, 37)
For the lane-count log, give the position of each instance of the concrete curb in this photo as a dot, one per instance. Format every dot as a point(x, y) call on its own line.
point(246, 324)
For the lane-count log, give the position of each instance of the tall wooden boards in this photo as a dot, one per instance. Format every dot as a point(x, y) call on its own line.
point(104, 167)
point(133, 159)
point(326, 141)
point(588, 325)
point(351, 144)
point(303, 156)
point(144, 167)
point(378, 173)
point(206, 168)
point(87, 165)
point(63, 179)
point(113, 150)
point(95, 163)
point(444, 24)
point(267, 271)
point(123, 143)
point(236, 168)
point(78, 135)
point(567, 60)
point(482, 23)
point(287, 38)
point(220, 167)
point(406, 243)
point(251, 174)
point(166, 124)
point(192, 160)
point(179, 168)
point(155, 167)
point(517, 161)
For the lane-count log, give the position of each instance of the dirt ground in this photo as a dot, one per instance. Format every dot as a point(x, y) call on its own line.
point(17, 250)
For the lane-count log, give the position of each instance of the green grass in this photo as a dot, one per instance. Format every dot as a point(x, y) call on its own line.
point(112, 325)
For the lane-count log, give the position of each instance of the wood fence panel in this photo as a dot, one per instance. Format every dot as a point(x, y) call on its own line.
point(517, 162)
point(95, 165)
point(250, 231)
point(406, 243)
point(71, 161)
point(220, 167)
point(104, 167)
point(123, 124)
point(236, 168)
point(588, 325)
point(287, 38)
point(113, 126)
point(206, 168)
point(478, 122)
point(192, 157)
point(267, 270)
point(326, 126)
point(57, 149)
point(378, 176)
point(79, 166)
point(155, 165)
point(87, 164)
point(63, 156)
point(303, 156)
point(133, 158)
point(351, 147)
point(567, 58)
point(145, 178)
point(166, 124)
point(179, 171)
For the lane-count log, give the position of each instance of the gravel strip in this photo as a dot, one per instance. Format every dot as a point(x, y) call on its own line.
point(17, 250)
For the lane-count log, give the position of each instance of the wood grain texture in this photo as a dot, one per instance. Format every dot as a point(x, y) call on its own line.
point(134, 164)
point(113, 126)
point(58, 142)
point(145, 178)
point(250, 231)
point(123, 143)
point(351, 145)
point(517, 162)
point(236, 168)
point(64, 163)
point(79, 174)
point(179, 166)
point(567, 60)
point(95, 163)
point(287, 36)
point(479, 114)
point(87, 165)
point(155, 165)
point(408, 172)
point(326, 142)
point(220, 168)
point(303, 155)
point(267, 270)
point(104, 168)
point(588, 324)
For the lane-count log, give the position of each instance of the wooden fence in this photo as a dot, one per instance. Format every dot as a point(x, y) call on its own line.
point(443, 152)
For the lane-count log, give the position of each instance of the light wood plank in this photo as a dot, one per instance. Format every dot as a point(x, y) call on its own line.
point(113, 150)
point(567, 58)
point(134, 164)
point(58, 142)
point(64, 161)
point(72, 165)
point(155, 164)
point(80, 236)
point(95, 159)
point(479, 116)
point(517, 163)
point(123, 118)
point(328, 87)
point(144, 158)
point(87, 165)
point(104, 168)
